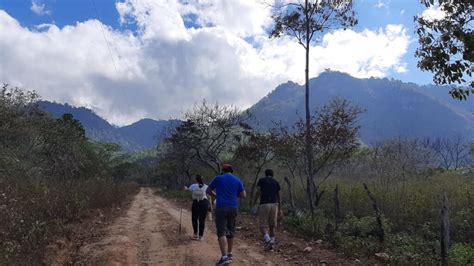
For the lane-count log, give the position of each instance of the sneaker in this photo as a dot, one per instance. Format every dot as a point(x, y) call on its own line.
point(201, 238)
point(230, 256)
point(223, 261)
point(196, 237)
point(268, 245)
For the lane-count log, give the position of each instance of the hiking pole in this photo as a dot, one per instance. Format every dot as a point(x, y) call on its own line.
point(180, 218)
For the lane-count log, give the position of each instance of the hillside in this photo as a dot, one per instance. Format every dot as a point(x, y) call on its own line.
point(393, 108)
point(140, 135)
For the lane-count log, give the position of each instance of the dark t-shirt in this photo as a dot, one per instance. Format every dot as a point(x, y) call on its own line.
point(268, 190)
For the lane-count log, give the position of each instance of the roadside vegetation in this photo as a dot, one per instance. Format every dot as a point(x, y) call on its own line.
point(51, 176)
point(382, 201)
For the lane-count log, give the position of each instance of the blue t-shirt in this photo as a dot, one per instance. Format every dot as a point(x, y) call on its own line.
point(228, 187)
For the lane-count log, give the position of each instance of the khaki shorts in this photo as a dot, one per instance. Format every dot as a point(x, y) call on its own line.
point(267, 214)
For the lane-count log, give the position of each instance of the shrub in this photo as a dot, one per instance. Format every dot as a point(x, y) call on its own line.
point(51, 175)
point(306, 225)
point(412, 249)
point(35, 212)
point(461, 254)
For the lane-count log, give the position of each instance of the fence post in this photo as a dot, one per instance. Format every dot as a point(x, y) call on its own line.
point(378, 215)
point(444, 231)
point(337, 211)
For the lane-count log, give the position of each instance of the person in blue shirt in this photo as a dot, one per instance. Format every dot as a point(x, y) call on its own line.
point(227, 188)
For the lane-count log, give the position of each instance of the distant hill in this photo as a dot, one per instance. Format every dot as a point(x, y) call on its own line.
point(141, 135)
point(147, 132)
point(393, 108)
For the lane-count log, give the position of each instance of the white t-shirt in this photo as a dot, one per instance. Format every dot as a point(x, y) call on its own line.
point(198, 193)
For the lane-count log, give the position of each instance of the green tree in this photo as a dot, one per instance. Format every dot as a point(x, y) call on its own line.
point(304, 20)
point(447, 45)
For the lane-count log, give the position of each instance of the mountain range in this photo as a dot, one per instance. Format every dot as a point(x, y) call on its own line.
point(141, 135)
point(392, 109)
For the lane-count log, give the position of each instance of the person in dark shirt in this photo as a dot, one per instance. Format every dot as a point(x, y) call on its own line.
point(227, 188)
point(269, 208)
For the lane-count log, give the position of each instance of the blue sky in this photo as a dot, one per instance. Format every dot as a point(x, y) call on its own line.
point(372, 14)
point(62, 12)
point(139, 31)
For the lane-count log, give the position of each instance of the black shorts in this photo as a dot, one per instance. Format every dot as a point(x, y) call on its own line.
point(225, 222)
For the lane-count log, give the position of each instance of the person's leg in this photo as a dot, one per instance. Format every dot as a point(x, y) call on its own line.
point(194, 217)
point(264, 231)
point(272, 220)
point(221, 222)
point(223, 245)
point(202, 217)
point(231, 218)
point(272, 232)
point(230, 245)
point(263, 214)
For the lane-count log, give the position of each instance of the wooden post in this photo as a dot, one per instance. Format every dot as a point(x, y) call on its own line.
point(444, 231)
point(378, 215)
point(290, 191)
point(337, 210)
point(180, 220)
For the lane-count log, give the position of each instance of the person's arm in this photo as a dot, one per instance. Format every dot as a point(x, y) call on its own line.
point(210, 192)
point(279, 200)
point(242, 193)
point(280, 207)
point(210, 188)
point(257, 195)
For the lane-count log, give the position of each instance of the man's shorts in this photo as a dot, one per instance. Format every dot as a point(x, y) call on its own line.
point(268, 214)
point(225, 222)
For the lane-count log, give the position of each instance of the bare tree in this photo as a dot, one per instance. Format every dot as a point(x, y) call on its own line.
point(285, 148)
point(304, 20)
point(452, 153)
point(334, 137)
point(258, 150)
point(210, 134)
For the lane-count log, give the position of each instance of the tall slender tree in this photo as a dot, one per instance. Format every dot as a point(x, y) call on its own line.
point(306, 21)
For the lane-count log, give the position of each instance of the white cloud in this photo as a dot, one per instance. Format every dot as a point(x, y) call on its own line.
point(381, 4)
point(156, 19)
point(434, 12)
point(241, 17)
point(39, 8)
point(166, 67)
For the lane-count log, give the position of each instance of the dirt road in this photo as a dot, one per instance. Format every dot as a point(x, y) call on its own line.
point(148, 235)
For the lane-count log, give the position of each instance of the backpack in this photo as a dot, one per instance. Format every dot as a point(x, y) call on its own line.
point(199, 193)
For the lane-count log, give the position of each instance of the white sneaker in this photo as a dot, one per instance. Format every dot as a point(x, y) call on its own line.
point(201, 238)
point(196, 237)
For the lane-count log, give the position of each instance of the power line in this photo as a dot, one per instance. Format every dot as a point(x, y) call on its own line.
point(105, 37)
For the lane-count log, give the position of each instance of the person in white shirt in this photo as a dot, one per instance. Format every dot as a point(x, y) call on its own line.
point(199, 208)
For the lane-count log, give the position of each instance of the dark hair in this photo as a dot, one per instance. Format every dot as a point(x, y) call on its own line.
point(199, 180)
point(227, 168)
point(269, 172)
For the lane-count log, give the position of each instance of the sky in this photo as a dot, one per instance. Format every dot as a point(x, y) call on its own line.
point(131, 59)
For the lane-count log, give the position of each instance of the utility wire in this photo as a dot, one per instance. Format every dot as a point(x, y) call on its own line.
point(105, 37)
